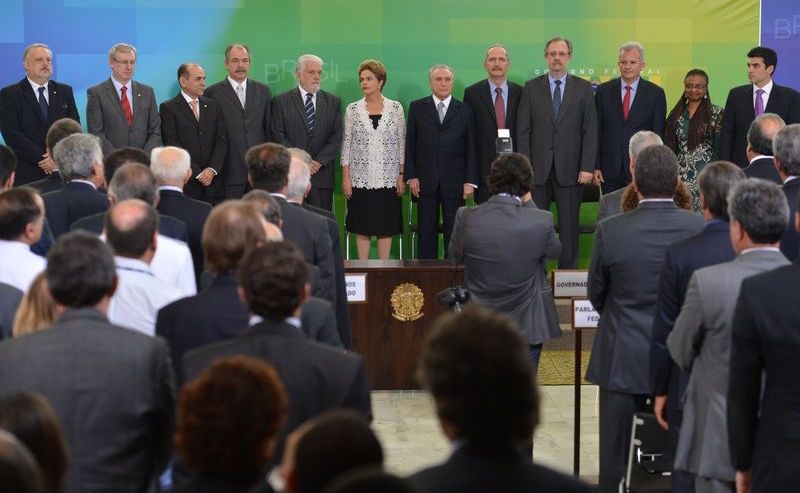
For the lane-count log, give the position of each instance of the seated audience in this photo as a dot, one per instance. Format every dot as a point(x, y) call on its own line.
point(759, 147)
point(786, 146)
point(21, 220)
point(37, 309)
point(58, 131)
point(19, 472)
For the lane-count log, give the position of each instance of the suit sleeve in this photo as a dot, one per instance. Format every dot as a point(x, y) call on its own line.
point(72, 108)
point(728, 128)
point(411, 143)
point(327, 154)
point(553, 248)
point(94, 120)
point(455, 250)
point(471, 175)
point(524, 123)
point(277, 125)
point(667, 309)
point(267, 123)
point(687, 335)
point(164, 407)
point(598, 104)
point(14, 136)
point(598, 273)
point(589, 132)
point(217, 159)
point(323, 259)
point(358, 398)
point(602, 209)
point(153, 125)
point(169, 126)
point(660, 113)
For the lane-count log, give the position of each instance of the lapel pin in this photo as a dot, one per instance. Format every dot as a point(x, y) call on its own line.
point(138, 95)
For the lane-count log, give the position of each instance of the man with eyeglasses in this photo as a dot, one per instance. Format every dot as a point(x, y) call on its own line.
point(123, 113)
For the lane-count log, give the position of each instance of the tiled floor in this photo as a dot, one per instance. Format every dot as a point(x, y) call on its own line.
point(407, 427)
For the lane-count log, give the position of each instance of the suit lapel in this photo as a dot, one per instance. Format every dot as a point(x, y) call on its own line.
point(616, 88)
point(297, 98)
point(642, 93)
point(206, 115)
point(54, 110)
point(452, 110)
point(111, 92)
point(486, 97)
point(31, 97)
point(513, 104)
point(320, 111)
point(430, 108)
point(546, 98)
point(186, 110)
point(773, 102)
point(230, 93)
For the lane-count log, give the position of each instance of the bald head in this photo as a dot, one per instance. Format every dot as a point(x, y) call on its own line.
point(172, 166)
point(761, 134)
point(131, 228)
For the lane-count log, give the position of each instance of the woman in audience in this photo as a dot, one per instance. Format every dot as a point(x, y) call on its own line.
point(373, 151)
point(227, 423)
point(693, 129)
point(37, 309)
point(30, 418)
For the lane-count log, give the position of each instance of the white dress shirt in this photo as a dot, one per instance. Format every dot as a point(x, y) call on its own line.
point(139, 296)
point(118, 86)
point(764, 97)
point(36, 87)
point(172, 263)
point(19, 266)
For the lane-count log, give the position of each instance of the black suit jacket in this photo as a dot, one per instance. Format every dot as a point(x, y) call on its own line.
point(441, 155)
point(74, 201)
point(790, 243)
point(740, 113)
point(167, 226)
point(24, 128)
point(764, 168)
point(247, 127)
point(51, 183)
point(206, 141)
point(648, 112)
point(478, 97)
point(194, 214)
point(10, 297)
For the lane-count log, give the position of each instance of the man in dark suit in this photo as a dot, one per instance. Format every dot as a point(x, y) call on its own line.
point(122, 112)
point(80, 162)
point(487, 409)
point(745, 103)
point(194, 122)
point(557, 130)
point(625, 105)
point(110, 387)
point(759, 147)
point(786, 145)
point(10, 298)
point(441, 165)
point(318, 378)
point(311, 119)
point(623, 285)
point(494, 103)
point(59, 130)
point(29, 107)
point(709, 247)
point(246, 106)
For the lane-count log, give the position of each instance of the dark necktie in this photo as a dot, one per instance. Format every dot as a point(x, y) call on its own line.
point(760, 102)
point(557, 99)
point(43, 103)
point(499, 108)
point(310, 112)
point(626, 102)
point(126, 106)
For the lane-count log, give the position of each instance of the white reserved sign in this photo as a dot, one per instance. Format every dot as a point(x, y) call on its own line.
point(570, 283)
point(584, 315)
point(356, 287)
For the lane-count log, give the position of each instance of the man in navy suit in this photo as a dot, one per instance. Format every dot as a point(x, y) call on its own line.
point(759, 147)
point(29, 107)
point(441, 165)
point(625, 105)
point(745, 103)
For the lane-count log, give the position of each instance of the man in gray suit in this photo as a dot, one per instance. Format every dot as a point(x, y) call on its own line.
point(110, 387)
point(701, 339)
point(557, 130)
point(623, 287)
point(503, 244)
point(311, 119)
point(245, 106)
point(122, 112)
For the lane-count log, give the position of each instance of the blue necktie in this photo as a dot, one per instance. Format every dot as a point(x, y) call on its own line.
point(43, 103)
point(557, 99)
point(310, 113)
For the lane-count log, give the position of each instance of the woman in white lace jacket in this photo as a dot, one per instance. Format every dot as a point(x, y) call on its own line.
point(373, 151)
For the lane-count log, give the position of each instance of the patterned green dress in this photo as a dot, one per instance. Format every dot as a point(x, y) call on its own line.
point(692, 162)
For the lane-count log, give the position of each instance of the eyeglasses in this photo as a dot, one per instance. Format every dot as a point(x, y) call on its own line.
point(126, 63)
point(700, 87)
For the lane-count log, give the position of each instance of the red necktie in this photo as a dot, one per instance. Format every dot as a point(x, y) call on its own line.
point(126, 106)
point(499, 108)
point(626, 102)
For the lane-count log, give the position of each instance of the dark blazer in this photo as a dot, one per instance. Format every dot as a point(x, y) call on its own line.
point(790, 243)
point(74, 201)
point(441, 155)
point(110, 387)
point(247, 127)
point(105, 118)
point(627, 259)
point(206, 141)
point(610, 204)
point(218, 484)
point(478, 97)
point(10, 297)
point(290, 128)
point(568, 143)
point(764, 168)
point(24, 128)
point(764, 423)
point(317, 377)
point(318, 322)
point(167, 226)
point(50, 183)
point(194, 214)
point(740, 113)
point(648, 112)
point(468, 471)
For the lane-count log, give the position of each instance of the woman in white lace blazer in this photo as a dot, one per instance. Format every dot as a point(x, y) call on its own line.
point(373, 151)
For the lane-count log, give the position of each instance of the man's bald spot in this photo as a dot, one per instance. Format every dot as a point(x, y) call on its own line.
point(128, 214)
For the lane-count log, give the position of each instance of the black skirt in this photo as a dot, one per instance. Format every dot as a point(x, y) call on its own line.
point(375, 212)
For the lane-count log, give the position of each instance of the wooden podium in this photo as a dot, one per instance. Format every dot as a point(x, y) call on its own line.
point(400, 308)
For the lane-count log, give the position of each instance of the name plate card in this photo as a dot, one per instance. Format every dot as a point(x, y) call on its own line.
point(356, 287)
point(570, 283)
point(584, 316)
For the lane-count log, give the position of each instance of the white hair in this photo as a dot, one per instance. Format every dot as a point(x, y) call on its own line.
point(170, 164)
point(437, 67)
point(641, 140)
point(299, 178)
point(36, 45)
point(301, 61)
point(121, 48)
point(633, 45)
point(300, 154)
point(76, 155)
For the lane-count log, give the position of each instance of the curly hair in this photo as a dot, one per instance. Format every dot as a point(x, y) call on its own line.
point(273, 277)
point(682, 198)
point(512, 174)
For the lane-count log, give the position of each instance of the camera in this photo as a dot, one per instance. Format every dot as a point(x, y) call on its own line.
point(453, 297)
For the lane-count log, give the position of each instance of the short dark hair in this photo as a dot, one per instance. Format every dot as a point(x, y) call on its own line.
point(131, 234)
point(268, 205)
point(231, 229)
point(228, 414)
point(273, 277)
point(268, 166)
point(715, 182)
point(183, 70)
point(759, 141)
point(18, 208)
point(768, 54)
point(8, 164)
point(18, 469)
point(476, 366)
point(656, 172)
point(369, 480)
point(116, 158)
point(760, 207)
point(334, 443)
point(133, 181)
point(61, 129)
point(512, 174)
point(80, 270)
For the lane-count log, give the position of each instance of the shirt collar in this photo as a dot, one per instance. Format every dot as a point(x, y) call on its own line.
point(761, 156)
point(760, 249)
point(634, 85)
point(84, 181)
point(118, 85)
point(655, 200)
point(767, 87)
point(234, 84)
point(188, 98)
point(15, 245)
point(36, 86)
point(552, 79)
point(170, 187)
point(788, 179)
point(303, 93)
point(503, 86)
point(293, 321)
point(132, 264)
point(446, 101)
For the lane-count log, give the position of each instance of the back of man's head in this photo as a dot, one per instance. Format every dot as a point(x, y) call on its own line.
point(512, 174)
point(80, 270)
point(8, 165)
point(273, 278)
point(231, 229)
point(133, 181)
point(786, 146)
point(299, 179)
point(19, 472)
point(268, 167)
point(656, 173)
point(641, 140)
point(76, 156)
point(61, 129)
point(760, 208)
point(124, 155)
point(19, 208)
point(131, 226)
point(715, 182)
point(267, 204)
point(475, 364)
point(762, 132)
point(170, 165)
